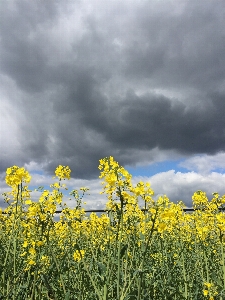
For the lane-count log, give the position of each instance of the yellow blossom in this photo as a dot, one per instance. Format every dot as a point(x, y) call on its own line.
point(31, 262)
point(63, 172)
point(28, 202)
point(78, 255)
point(32, 251)
point(25, 244)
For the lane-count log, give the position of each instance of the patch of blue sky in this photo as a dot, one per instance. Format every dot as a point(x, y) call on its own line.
point(39, 172)
point(156, 168)
point(219, 170)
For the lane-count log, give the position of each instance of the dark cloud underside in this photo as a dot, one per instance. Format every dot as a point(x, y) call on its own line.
point(115, 78)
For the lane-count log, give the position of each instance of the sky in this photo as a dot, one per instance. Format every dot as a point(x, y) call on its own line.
point(142, 81)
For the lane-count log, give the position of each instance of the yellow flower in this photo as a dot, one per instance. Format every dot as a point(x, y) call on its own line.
point(208, 284)
point(199, 199)
point(78, 255)
point(45, 260)
point(63, 172)
point(55, 185)
point(205, 292)
point(28, 202)
point(40, 243)
point(25, 244)
point(33, 210)
point(32, 251)
point(152, 210)
point(161, 227)
point(31, 262)
point(16, 175)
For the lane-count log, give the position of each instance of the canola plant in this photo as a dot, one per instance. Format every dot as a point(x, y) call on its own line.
point(157, 253)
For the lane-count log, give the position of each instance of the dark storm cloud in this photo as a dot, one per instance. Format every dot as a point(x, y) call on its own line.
point(149, 121)
point(113, 79)
point(21, 53)
point(184, 48)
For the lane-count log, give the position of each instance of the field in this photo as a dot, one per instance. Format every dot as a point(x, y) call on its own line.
point(161, 253)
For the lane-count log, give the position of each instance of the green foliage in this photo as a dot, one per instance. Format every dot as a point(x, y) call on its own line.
point(161, 254)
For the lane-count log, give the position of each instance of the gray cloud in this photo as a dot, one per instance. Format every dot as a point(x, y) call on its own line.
point(181, 186)
point(87, 81)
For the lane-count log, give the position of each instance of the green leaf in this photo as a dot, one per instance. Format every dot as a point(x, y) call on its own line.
point(122, 251)
point(101, 268)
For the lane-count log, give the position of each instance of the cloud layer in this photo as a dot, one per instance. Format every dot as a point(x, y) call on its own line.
point(137, 80)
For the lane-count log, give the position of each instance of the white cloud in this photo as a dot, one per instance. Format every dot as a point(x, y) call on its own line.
point(205, 163)
point(181, 186)
point(93, 198)
point(176, 185)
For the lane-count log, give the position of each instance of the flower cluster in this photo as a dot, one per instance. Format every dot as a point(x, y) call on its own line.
point(63, 172)
point(154, 252)
point(16, 175)
point(78, 255)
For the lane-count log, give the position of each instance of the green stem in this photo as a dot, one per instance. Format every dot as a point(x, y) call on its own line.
point(142, 262)
point(118, 259)
point(139, 286)
point(105, 291)
point(207, 269)
point(222, 254)
point(14, 264)
point(185, 277)
point(149, 238)
point(33, 287)
point(59, 271)
point(92, 281)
